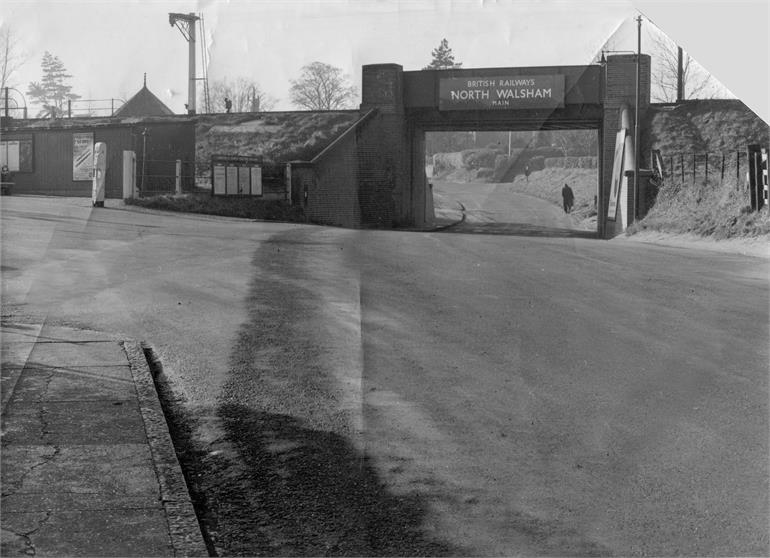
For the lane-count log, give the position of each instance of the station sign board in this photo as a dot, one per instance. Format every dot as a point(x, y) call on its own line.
point(502, 92)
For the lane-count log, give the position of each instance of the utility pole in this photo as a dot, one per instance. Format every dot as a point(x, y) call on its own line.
point(144, 158)
point(679, 75)
point(636, 115)
point(186, 24)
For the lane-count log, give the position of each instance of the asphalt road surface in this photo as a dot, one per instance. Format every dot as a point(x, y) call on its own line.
point(488, 203)
point(405, 393)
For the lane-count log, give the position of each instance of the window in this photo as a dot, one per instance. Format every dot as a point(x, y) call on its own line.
point(17, 153)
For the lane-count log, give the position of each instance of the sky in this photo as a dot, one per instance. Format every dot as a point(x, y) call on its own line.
point(107, 46)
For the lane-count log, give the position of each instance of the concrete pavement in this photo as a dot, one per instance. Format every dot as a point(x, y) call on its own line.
point(88, 467)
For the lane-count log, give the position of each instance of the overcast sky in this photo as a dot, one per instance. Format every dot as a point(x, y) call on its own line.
point(108, 45)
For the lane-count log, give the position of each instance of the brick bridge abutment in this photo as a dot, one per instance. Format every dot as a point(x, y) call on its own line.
point(386, 156)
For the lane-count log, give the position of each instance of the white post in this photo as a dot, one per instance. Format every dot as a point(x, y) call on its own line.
point(765, 186)
point(100, 174)
point(178, 185)
point(129, 174)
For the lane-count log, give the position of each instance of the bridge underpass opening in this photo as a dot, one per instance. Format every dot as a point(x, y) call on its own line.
point(511, 182)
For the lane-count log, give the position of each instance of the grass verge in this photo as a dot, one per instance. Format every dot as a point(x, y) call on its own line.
point(707, 209)
point(245, 207)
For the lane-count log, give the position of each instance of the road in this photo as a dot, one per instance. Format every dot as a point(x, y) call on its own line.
point(496, 209)
point(497, 203)
point(403, 393)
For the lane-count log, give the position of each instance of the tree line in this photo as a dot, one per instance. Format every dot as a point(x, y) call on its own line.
point(319, 86)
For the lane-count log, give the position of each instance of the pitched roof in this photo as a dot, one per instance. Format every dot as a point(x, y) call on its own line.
point(144, 103)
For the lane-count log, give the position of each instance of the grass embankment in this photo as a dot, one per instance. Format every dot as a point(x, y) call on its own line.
point(712, 207)
point(708, 209)
point(273, 136)
point(547, 184)
point(244, 207)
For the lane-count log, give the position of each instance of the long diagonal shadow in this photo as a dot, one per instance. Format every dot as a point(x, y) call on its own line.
point(302, 488)
point(319, 495)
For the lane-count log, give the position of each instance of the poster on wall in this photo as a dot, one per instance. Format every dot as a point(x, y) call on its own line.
point(25, 154)
point(232, 180)
point(82, 156)
point(220, 179)
point(617, 173)
point(243, 180)
point(256, 181)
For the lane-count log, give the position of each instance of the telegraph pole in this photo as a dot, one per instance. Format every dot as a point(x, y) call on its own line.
point(636, 115)
point(679, 75)
point(186, 24)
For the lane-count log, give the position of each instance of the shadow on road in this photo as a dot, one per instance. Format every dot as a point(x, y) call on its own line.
point(285, 478)
point(292, 490)
point(518, 229)
point(312, 494)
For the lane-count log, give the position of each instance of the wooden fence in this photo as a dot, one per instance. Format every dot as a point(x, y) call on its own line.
point(725, 166)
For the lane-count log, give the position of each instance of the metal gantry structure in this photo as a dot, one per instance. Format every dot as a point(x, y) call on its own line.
point(188, 25)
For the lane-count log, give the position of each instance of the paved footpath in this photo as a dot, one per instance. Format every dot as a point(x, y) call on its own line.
point(88, 467)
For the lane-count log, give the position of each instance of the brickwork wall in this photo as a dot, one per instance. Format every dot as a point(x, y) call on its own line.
point(354, 183)
point(382, 180)
point(333, 195)
point(382, 88)
point(383, 176)
point(365, 180)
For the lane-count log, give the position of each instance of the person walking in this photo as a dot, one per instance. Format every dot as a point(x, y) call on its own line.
point(568, 198)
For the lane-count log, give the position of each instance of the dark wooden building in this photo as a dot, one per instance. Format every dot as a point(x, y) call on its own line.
point(52, 154)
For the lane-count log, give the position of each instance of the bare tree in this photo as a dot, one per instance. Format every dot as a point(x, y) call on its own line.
point(244, 93)
point(322, 87)
point(11, 58)
point(697, 82)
